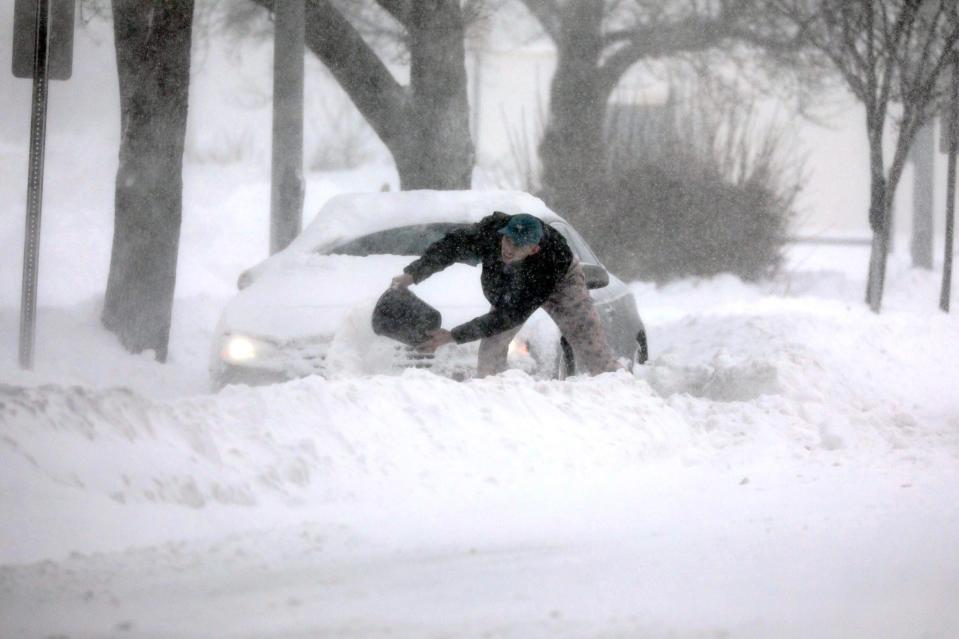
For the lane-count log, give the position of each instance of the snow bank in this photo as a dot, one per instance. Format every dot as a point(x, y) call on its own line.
point(332, 439)
point(802, 376)
point(787, 382)
point(323, 441)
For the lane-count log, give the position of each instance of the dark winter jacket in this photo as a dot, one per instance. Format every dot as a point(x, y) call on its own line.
point(514, 290)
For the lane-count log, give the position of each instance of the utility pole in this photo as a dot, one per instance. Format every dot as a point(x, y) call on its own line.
point(286, 197)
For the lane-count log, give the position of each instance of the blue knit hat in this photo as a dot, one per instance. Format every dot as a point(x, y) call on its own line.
point(523, 229)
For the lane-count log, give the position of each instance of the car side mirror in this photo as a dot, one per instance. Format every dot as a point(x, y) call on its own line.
point(249, 275)
point(596, 276)
point(245, 279)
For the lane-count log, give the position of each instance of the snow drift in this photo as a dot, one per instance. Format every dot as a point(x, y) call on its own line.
point(738, 389)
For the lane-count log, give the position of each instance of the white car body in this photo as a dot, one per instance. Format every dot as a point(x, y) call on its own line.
point(305, 311)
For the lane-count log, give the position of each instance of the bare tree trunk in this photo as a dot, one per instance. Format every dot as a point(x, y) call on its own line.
point(883, 195)
point(152, 42)
point(878, 211)
point(923, 155)
point(437, 150)
point(880, 246)
point(425, 127)
point(571, 151)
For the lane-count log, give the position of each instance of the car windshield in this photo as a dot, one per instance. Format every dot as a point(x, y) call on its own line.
point(403, 240)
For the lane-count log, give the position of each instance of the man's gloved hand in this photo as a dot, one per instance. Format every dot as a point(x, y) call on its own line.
point(402, 281)
point(437, 338)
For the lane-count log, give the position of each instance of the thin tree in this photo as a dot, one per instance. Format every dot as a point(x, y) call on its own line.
point(424, 125)
point(892, 55)
point(152, 40)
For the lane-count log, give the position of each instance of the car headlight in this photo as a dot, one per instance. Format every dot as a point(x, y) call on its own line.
point(518, 348)
point(240, 349)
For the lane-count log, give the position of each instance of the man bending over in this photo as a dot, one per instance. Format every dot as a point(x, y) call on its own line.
point(526, 265)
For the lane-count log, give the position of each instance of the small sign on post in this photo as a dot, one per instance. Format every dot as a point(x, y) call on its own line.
point(60, 41)
point(42, 49)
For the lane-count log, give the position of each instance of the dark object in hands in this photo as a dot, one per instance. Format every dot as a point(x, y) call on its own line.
point(401, 315)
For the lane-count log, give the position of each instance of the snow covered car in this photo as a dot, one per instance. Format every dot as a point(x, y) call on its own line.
point(307, 309)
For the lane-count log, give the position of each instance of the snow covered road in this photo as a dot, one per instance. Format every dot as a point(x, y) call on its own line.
point(677, 554)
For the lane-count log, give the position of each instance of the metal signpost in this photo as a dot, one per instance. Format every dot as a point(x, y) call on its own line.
point(42, 50)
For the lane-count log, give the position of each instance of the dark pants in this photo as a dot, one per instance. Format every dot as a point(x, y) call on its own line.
point(572, 309)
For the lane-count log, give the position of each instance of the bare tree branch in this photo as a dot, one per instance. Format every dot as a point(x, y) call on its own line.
point(399, 9)
point(619, 35)
point(657, 41)
point(372, 88)
point(900, 30)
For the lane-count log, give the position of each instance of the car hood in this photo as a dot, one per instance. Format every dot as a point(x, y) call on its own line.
point(314, 295)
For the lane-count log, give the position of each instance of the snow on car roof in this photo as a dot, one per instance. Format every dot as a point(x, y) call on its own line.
point(353, 215)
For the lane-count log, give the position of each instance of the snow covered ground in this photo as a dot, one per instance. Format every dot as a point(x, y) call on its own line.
point(787, 465)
